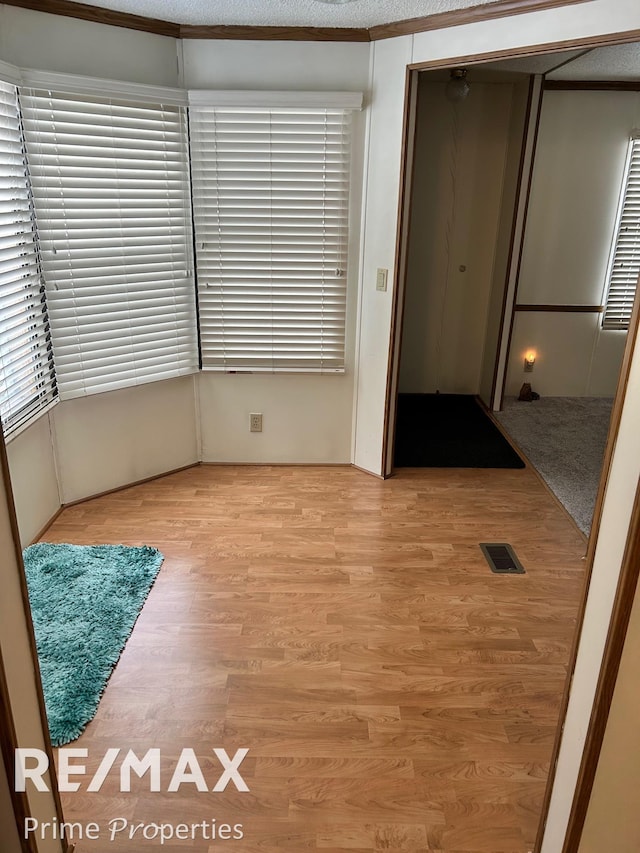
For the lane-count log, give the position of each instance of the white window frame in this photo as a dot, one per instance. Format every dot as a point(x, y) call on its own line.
point(272, 292)
point(27, 376)
point(623, 268)
point(110, 174)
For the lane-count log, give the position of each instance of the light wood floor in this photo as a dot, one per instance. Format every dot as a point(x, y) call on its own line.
point(393, 693)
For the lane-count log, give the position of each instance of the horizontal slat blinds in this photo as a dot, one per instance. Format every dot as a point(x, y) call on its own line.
point(110, 183)
point(271, 200)
point(27, 382)
point(624, 266)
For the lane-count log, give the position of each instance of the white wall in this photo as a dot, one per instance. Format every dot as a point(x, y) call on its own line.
point(92, 444)
point(613, 818)
point(34, 478)
point(31, 39)
point(269, 65)
point(459, 170)
point(579, 165)
point(574, 356)
point(389, 59)
point(17, 664)
point(306, 418)
point(618, 504)
point(111, 439)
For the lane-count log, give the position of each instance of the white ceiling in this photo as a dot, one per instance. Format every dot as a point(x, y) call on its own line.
point(301, 13)
point(614, 63)
point(618, 62)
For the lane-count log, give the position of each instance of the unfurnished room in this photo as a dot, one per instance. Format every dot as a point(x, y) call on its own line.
point(319, 391)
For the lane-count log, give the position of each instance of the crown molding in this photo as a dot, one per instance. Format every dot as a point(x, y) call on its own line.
point(247, 33)
point(99, 15)
point(440, 20)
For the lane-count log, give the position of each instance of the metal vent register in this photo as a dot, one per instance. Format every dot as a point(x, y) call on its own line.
point(501, 558)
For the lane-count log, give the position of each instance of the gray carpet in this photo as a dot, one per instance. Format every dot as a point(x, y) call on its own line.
point(564, 438)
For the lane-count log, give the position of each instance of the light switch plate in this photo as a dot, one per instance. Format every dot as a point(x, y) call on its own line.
point(381, 279)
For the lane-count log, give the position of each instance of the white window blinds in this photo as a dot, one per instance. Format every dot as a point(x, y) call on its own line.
point(110, 179)
point(271, 205)
point(27, 383)
point(624, 265)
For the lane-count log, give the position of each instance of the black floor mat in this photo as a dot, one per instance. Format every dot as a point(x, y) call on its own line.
point(449, 431)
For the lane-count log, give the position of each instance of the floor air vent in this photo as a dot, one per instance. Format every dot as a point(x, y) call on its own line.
point(501, 558)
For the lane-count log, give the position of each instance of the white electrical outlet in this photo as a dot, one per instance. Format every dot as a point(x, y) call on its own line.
point(381, 279)
point(255, 423)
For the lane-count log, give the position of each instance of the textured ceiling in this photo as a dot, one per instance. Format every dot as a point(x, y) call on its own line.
point(302, 13)
point(619, 62)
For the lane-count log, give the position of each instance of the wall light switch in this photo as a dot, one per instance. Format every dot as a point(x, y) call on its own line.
point(381, 279)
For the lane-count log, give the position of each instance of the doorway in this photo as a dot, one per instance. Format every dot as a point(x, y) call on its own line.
point(470, 127)
point(479, 164)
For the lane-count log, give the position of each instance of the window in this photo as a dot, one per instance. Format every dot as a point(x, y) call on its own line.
point(27, 382)
point(271, 207)
point(110, 178)
point(624, 264)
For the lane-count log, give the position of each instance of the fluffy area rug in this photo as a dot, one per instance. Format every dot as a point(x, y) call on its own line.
point(564, 437)
point(84, 600)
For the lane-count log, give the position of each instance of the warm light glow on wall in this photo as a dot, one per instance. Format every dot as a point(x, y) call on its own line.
point(529, 359)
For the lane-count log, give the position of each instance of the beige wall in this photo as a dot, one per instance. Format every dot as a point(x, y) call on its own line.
point(389, 60)
point(34, 477)
point(17, 660)
point(111, 439)
point(613, 816)
point(53, 43)
point(92, 444)
point(579, 164)
point(458, 189)
point(518, 122)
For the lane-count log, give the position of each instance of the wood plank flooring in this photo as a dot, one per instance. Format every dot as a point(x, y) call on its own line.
point(393, 693)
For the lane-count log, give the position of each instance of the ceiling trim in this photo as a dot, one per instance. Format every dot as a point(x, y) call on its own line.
point(249, 33)
point(99, 15)
point(592, 85)
point(440, 20)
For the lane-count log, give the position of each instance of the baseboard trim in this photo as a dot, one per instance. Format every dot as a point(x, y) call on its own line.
point(141, 482)
point(128, 486)
point(41, 532)
point(370, 473)
point(279, 464)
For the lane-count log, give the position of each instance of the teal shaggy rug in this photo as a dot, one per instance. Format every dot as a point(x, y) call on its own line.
point(85, 600)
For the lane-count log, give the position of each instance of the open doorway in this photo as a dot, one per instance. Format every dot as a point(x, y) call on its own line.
point(470, 130)
point(483, 290)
